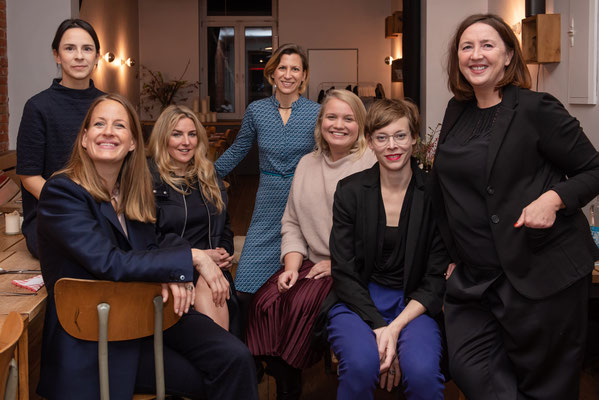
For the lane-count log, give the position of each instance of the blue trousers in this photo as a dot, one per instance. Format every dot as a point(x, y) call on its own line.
point(354, 344)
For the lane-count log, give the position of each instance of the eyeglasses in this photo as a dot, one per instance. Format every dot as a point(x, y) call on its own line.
point(398, 138)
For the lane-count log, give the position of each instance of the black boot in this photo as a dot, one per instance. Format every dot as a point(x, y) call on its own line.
point(287, 378)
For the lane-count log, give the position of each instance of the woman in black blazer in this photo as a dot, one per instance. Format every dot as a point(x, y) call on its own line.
point(387, 267)
point(511, 173)
point(95, 222)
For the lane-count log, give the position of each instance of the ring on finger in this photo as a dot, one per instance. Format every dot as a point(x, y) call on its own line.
point(391, 372)
point(189, 287)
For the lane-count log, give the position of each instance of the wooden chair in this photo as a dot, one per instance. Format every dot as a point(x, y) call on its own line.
point(9, 335)
point(102, 311)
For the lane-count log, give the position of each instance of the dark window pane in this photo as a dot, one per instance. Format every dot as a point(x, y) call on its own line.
point(221, 68)
point(258, 48)
point(239, 7)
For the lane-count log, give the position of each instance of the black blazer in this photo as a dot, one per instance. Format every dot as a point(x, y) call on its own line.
point(82, 238)
point(353, 245)
point(536, 145)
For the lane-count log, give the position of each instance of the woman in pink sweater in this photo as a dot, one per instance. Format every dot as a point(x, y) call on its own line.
point(285, 307)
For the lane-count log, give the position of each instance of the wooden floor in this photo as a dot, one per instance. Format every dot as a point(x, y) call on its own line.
point(317, 384)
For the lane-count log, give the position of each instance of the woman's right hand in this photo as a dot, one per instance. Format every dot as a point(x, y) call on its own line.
point(286, 280)
point(183, 295)
point(213, 276)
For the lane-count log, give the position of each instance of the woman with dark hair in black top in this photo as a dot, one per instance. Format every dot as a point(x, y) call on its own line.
point(51, 118)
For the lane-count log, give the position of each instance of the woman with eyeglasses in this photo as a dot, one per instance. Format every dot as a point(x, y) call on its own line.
point(387, 262)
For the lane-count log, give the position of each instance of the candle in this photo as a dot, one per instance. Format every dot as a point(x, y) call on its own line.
point(12, 223)
point(196, 104)
point(212, 116)
point(205, 105)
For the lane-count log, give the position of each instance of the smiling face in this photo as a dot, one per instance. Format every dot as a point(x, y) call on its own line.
point(482, 57)
point(108, 138)
point(339, 128)
point(77, 55)
point(182, 144)
point(289, 74)
point(393, 145)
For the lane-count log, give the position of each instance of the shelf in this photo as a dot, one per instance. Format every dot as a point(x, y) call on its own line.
point(541, 39)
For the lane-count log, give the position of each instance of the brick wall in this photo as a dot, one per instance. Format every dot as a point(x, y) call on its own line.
point(3, 80)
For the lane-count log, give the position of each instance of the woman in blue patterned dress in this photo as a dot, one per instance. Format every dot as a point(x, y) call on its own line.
point(283, 125)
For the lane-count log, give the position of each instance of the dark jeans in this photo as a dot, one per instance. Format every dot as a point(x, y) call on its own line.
point(201, 361)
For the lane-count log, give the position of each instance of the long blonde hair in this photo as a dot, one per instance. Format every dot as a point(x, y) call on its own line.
point(135, 181)
point(200, 168)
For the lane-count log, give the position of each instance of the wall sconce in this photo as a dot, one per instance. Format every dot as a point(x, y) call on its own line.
point(130, 62)
point(109, 57)
point(388, 60)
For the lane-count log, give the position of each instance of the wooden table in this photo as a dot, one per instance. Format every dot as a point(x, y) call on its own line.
point(14, 255)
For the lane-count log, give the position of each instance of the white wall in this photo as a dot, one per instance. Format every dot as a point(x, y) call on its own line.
point(440, 19)
point(168, 37)
point(317, 24)
point(31, 26)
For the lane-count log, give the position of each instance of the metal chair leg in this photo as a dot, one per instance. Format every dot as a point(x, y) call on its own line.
point(103, 312)
point(10, 392)
point(158, 349)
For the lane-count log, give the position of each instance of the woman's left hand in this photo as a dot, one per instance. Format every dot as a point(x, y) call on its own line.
point(183, 295)
point(541, 213)
point(221, 257)
point(388, 380)
point(320, 270)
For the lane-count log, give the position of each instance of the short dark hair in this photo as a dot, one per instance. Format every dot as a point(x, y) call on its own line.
point(516, 73)
point(75, 23)
point(273, 63)
point(386, 111)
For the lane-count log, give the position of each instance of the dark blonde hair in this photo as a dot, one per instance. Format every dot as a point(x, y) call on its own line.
point(273, 63)
point(200, 168)
point(516, 73)
point(386, 111)
point(135, 183)
point(359, 111)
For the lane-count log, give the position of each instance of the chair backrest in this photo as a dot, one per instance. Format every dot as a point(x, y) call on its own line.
point(106, 311)
point(131, 308)
point(11, 331)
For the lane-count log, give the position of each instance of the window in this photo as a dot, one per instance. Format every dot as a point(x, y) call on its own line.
point(233, 53)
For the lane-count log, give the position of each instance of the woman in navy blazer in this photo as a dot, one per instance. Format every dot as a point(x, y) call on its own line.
point(95, 222)
point(511, 173)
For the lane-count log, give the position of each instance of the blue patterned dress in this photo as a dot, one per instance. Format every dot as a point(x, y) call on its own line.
point(280, 148)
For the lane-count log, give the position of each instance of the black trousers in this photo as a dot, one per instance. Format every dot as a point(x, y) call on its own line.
point(201, 361)
point(504, 346)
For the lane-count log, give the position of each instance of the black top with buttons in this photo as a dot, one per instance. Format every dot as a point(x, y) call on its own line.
point(461, 164)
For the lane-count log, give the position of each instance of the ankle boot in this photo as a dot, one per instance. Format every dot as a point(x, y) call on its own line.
point(289, 385)
point(287, 378)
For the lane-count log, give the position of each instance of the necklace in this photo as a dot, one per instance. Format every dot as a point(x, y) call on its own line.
point(284, 108)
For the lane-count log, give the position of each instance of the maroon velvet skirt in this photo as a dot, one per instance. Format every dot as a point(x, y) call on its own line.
point(281, 324)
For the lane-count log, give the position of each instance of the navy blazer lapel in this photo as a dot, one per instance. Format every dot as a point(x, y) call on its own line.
point(108, 212)
point(505, 114)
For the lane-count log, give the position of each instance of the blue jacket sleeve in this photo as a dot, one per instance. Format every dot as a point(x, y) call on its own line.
point(76, 234)
point(240, 147)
